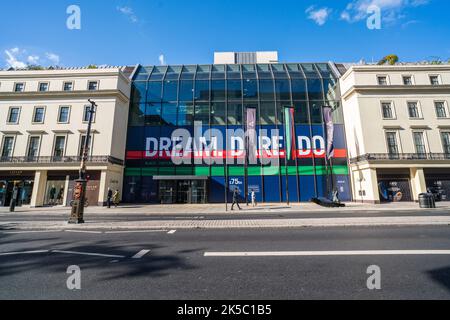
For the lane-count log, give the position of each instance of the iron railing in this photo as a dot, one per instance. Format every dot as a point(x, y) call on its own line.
point(61, 160)
point(401, 156)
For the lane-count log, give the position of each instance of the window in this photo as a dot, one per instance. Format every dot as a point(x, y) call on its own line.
point(14, 114)
point(388, 112)
point(201, 90)
point(43, 86)
point(82, 143)
point(154, 91)
point(86, 114)
point(391, 138)
point(152, 114)
point(218, 113)
point(63, 115)
point(250, 89)
point(8, 146)
point(202, 113)
point(185, 114)
point(68, 86)
point(39, 114)
point(19, 87)
point(186, 90)
point(413, 110)
point(441, 110)
point(419, 143)
point(382, 80)
point(434, 80)
point(33, 147)
point(60, 143)
point(93, 86)
point(407, 80)
point(234, 113)
point(446, 142)
point(267, 115)
point(170, 90)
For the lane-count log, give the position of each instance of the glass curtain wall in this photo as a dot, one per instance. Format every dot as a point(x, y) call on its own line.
point(165, 98)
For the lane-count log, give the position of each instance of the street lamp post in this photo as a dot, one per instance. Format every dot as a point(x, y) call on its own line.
point(79, 192)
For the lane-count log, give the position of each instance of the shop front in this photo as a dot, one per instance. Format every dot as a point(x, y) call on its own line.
point(394, 185)
point(182, 190)
point(23, 180)
point(438, 182)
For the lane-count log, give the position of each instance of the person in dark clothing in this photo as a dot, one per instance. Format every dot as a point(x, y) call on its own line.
point(109, 198)
point(235, 199)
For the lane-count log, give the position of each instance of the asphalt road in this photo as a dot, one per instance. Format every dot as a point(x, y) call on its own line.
point(176, 266)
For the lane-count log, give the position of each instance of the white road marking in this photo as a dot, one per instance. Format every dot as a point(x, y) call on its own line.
point(327, 253)
point(23, 252)
point(83, 231)
point(24, 232)
point(140, 254)
point(88, 254)
point(135, 231)
point(171, 231)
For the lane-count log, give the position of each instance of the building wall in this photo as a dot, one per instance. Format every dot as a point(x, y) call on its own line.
point(366, 127)
point(108, 128)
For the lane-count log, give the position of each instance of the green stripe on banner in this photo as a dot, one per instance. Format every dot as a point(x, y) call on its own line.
point(236, 171)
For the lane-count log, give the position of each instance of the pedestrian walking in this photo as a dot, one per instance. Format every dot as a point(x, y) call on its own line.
point(116, 198)
point(253, 198)
point(109, 198)
point(235, 199)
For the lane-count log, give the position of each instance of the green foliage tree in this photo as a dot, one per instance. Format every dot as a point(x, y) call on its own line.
point(391, 59)
point(92, 66)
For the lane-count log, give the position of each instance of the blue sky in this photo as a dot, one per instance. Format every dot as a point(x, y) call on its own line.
point(126, 32)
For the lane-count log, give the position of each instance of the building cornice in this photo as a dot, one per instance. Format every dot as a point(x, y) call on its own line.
point(64, 95)
point(397, 68)
point(397, 89)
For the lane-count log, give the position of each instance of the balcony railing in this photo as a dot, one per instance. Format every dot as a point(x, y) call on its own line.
point(401, 156)
point(61, 160)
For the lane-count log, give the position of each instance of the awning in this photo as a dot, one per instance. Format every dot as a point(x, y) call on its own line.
point(180, 178)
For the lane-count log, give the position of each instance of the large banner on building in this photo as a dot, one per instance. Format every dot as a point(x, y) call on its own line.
point(291, 149)
point(329, 131)
point(251, 146)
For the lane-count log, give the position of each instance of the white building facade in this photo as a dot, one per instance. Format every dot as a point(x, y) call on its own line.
point(43, 124)
point(397, 123)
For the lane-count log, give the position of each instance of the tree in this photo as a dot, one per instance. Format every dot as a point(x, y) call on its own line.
point(92, 66)
point(391, 59)
point(34, 67)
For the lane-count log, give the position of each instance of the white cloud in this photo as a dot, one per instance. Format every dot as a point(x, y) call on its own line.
point(33, 59)
point(12, 59)
point(319, 16)
point(54, 58)
point(129, 12)
point(391, 10)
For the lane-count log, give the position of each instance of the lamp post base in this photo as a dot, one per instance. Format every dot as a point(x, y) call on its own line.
point(77, 213)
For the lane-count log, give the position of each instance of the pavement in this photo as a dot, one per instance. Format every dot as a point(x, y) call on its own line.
point(413, 262)
point(142, 217)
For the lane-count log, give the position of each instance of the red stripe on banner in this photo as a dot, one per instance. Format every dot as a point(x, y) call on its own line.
point(264, 154)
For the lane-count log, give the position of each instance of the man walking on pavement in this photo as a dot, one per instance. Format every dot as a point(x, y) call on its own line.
point(109, 198)
point(235, 199)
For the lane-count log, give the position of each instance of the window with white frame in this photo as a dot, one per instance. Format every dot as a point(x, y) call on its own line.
point(43, 86)
point(19, 87)
point(387, 110)
point(82, 143)
point(33, 146)
point(93, 85)
point(8, 146)
point(441, 109)
point(13, 115)
point(64, 114)
point(413, 110)
point(68, 86)
point(419, 142)
point(392, 144)
point(59, 148)
point(446, 142)
point(407, 80)
point(382, 80)
point(86, 114)
point(39, 115)
point(434, 80)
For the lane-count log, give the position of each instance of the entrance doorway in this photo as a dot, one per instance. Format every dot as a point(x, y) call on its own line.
point(182, 191)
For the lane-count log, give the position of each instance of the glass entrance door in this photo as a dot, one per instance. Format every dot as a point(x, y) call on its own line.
point(182, 191)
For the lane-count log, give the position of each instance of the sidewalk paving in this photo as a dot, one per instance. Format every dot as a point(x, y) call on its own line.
point(219, 209)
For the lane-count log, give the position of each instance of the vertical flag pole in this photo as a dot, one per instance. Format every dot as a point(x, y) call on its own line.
point(289, 143)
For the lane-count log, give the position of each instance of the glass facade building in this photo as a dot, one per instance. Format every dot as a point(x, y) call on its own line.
point(216, 99)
